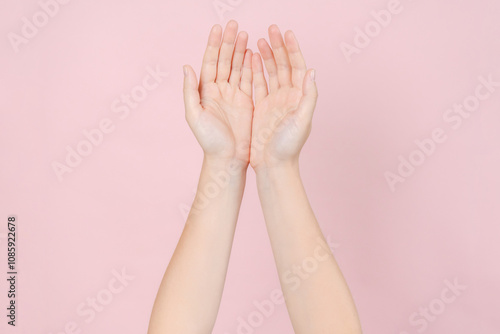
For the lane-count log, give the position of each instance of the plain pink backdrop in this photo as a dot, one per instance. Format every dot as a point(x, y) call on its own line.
point(124, 205)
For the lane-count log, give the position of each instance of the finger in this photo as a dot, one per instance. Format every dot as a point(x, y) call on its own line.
point(191, 94)
point(226, 51)
point(309, 96)
point(297, 61)
point(268, 56)
point(209, 65)
point(259, 80)
point(280, 56)
point(238, 57)
point(246, 74)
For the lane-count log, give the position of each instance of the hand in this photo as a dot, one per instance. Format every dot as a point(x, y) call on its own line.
point(219, 109)
point(283, 114)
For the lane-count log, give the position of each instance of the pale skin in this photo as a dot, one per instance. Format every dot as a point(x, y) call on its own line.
point(239, 119)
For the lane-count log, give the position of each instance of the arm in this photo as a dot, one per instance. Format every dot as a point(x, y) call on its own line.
point(316, 294)
point(218, 111)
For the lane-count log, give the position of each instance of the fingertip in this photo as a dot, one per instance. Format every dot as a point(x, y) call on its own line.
point(256, 61)
point(187, 69)
point(248, 54)
point(309, 85)
point(261, 43)
point(216, 28)
point(190, 75)
point(243, 35)
point(290, 37)
point(264, 48)
point(232, 24)
point(215, 35)
point(273, 28)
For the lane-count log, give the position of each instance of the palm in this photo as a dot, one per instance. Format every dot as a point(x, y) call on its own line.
point(219, 111)
point(225, 125)
point(277, 132)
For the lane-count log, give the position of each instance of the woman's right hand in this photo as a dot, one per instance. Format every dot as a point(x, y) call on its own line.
point(283, 113)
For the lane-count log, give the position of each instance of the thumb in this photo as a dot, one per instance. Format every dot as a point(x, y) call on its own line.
point(309, 95)
point(191, 94)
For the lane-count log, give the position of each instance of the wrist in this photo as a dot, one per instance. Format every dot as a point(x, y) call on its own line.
point(232, 167)
point(277, 166)
point(277, 172)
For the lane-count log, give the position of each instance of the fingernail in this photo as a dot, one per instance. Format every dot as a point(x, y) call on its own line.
point(313, 75)
point(185, 70)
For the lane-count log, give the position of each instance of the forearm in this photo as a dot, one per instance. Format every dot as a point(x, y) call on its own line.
point(191, 290)
point(316, 294)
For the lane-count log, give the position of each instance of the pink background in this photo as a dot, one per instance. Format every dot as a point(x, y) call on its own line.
point(124, 205)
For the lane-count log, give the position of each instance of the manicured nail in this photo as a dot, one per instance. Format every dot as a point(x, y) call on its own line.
point(185, 70)
point(313, 75)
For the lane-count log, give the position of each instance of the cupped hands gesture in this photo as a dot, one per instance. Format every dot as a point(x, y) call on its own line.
point(220, 109)
point(251, 109)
